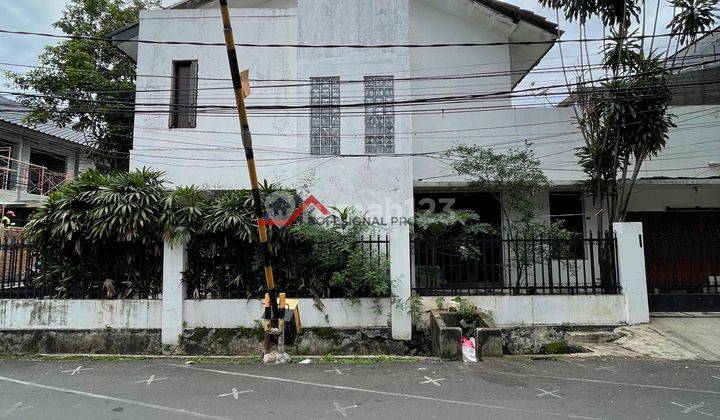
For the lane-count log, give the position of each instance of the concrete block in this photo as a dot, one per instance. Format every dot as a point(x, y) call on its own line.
point(488, 342)
point(445, 340)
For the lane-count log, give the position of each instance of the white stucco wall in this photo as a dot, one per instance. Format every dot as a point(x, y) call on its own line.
point(234, 313)
point(378, 184)
point(282, 141)
point(555, 138)
point(211, 155)
point(28, 314)
point(147, 314)
point(545, 310)
point(437, 127)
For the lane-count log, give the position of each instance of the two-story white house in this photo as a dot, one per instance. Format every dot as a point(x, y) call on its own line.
point(382, 159)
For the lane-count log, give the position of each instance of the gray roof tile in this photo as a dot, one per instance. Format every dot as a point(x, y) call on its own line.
point(15, 113)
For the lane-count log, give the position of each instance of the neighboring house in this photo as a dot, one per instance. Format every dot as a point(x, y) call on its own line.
point(705, 52)
point(34, 160)
point(383, 159)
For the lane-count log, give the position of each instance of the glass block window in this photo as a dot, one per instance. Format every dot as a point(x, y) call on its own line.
point(325, 119)
point(379, 115)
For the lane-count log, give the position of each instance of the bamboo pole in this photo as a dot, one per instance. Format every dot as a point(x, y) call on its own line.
point(249, 156)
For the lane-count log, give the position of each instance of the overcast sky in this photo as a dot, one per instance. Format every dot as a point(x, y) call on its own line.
point(28, 15)
point(38, 15)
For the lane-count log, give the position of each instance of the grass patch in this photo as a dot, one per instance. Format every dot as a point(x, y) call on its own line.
point(560, 347)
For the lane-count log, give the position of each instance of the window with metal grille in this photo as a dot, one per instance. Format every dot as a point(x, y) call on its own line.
point(379, 114)
point(325, 116)
point(183, 107)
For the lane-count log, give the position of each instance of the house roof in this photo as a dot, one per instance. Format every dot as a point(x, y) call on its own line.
point(704, 49)
point(15, 113)
point(523, 58)
point(515, 13)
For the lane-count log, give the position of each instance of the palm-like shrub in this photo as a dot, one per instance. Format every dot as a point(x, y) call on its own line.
point(100, 236)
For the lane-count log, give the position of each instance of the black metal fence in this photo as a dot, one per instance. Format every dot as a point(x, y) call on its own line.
point(19, 271)
point(518, 266)
point(30, 273)
point(235, 271)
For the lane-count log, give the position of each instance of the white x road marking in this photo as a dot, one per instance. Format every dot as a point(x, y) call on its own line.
point(340, 410)
point(235, 393)
point(14, 409)
point(716, 377)
point(693, 409)
point(336, 370)
point(435, 382)
point(149, 380)
point(608, 368)
point(75, 371)
point(551, 393)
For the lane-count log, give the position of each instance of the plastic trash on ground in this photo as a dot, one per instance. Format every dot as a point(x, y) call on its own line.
point(468, 350)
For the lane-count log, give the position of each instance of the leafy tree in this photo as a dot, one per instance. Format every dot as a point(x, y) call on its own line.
point(625, 123)
point(514, 179)
point(88, 85)
point(624, 118)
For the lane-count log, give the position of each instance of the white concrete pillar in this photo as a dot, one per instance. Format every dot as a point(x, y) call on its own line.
point(173, 293)
point(631, 267)
point(401, 281)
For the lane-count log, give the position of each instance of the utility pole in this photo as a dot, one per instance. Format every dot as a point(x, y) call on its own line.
point(274, 313)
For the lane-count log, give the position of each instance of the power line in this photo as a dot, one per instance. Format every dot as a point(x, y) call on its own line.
point(421, 101)
point(306, 82)
point(332, 46)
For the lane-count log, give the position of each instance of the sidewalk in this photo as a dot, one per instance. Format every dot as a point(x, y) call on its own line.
point(676, 336)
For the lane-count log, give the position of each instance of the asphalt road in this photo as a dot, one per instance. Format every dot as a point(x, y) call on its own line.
point(495, 389)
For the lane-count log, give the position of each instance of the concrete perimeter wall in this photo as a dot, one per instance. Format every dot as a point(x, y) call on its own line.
point(337, 313)
point(545, 310)
point(28, 314)
point(173, 314)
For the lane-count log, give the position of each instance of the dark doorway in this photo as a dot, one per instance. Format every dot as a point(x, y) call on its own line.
point(455, 262)
point(484, 204)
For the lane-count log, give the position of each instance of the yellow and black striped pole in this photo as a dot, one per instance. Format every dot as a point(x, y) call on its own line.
point(272, 305)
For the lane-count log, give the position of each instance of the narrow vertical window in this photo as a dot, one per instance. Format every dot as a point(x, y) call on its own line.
point(183, 107)
point(325, 116)
point(379, 115)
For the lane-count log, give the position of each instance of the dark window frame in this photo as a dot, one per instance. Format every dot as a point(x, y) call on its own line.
point(184, 116)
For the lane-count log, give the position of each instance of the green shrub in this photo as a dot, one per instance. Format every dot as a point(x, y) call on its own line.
point(102, 236)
